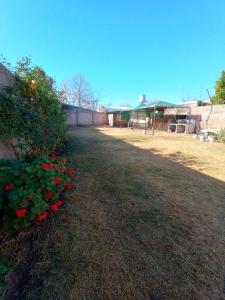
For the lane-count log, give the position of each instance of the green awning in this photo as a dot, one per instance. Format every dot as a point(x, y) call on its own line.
point(158, 104)
point(141, 106)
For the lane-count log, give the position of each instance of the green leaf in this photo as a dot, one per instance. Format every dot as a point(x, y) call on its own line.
point(3, 268)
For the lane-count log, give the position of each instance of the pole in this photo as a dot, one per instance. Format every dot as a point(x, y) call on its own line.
point(211, 103)
point(145, 121)
point(137, 124)
point(120, 119)
point(153, 122)
point(77, 112)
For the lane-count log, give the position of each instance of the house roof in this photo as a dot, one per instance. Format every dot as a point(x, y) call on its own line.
point(157, 104)
point(145, 106)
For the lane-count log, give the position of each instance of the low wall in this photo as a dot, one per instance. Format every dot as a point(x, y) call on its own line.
point(76, 116)
point(209, 117)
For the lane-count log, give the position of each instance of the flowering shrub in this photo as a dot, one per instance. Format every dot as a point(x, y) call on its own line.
point(30, 191)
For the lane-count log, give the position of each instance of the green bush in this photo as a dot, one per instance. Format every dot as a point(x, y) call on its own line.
point(221, 135)
point(29, 191)
point(31, 119)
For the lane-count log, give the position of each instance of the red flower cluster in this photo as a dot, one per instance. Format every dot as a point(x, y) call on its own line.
point(9, 187)
point(68, 186)
point(21, 212)
point(43, 216)
point(49, 194)
point(59, 203)
point(70, 171)
point(47, 166)
point(56, 205)
point(57, 180)
point(48, 185)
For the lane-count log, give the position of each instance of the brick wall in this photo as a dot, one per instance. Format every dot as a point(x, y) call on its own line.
point(210, 117)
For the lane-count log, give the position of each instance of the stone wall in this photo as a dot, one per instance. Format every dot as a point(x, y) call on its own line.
point(207, 117)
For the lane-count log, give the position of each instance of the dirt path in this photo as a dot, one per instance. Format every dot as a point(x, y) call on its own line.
point(139, 226)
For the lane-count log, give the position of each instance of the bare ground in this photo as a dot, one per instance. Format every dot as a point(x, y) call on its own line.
point(146, 222)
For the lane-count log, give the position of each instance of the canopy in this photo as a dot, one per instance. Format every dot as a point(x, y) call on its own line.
point(157, 104)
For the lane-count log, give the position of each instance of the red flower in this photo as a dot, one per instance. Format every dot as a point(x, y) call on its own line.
point(30, 197)
point(57, 180)
point(70, 171)
point(61, 170)
point(54, 207)
point(49, 194)
point(42, 216)
point(68, 186)
point(51, 166)
point(44, 166)
point(21, 212)
point(59, 203)
point(9, 187)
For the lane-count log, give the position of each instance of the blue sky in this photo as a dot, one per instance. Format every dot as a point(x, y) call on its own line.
point(166, 49)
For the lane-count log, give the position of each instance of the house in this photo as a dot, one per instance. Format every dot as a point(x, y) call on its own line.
point(141, 116)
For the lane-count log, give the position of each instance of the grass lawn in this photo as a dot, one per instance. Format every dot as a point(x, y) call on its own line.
point(147, 221)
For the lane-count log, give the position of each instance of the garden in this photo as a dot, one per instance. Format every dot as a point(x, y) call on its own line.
point(33, 185)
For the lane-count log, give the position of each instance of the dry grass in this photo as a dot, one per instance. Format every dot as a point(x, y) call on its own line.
point(147, 222)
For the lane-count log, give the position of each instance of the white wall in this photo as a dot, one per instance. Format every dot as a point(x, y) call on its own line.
point(84, 117)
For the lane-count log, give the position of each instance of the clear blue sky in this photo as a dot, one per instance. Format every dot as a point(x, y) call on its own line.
point(166, 49)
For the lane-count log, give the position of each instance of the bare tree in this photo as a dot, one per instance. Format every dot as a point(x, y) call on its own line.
point(125, 104)
point(78, 91)
point(64, 94)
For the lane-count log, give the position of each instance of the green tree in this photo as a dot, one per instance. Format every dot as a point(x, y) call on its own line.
point(219, 97)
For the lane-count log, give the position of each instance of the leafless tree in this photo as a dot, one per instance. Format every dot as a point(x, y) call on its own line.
point(78, 91)
point(125, 104)
point(64, 94)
